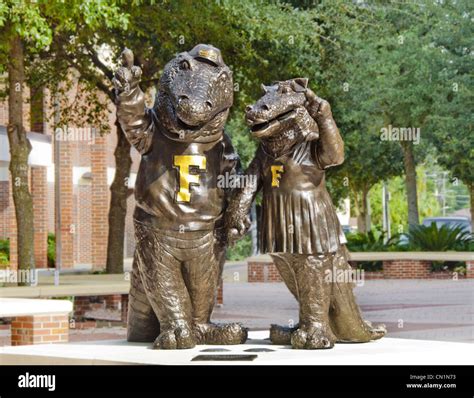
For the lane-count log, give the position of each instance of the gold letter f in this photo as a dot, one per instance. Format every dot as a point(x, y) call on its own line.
point(184, 163)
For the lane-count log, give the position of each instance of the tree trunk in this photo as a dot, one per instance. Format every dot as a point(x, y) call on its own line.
point(471, 193)
point(363, 218)
point(118, 204)
point(20, 148)
point(410, 183)
point(253, 229)
point(366, 207)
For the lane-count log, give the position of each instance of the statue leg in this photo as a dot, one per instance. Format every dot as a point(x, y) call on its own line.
point(345, 316)
point(281, 335)
point(142, 325)
point(201, 275)
point(314, 330)
point(165, 289)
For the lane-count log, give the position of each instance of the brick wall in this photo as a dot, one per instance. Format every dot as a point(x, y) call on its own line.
point(220, 293)
point(407, 269)
point(39, 329)
point(36, 107)
point(470, 269)
point(83, 217)
point(3, 110)
point(66, 204)
point(84, 211)
point(84, 304)
point(100, 203)
point(397, 269)
point(263, 272)
point(39, 191)
point(82, 153)
point(373, 275)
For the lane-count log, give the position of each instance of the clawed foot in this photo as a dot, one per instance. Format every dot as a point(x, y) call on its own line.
point(360, 332)
point(281, 335)
point(376, 332)
point(180, 337)
point(312, 337)
point(226, 334)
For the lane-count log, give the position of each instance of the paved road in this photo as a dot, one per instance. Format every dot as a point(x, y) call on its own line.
point(412, 309)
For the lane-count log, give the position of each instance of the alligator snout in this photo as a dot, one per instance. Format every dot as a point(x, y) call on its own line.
point(194, 112)
point(257, 113)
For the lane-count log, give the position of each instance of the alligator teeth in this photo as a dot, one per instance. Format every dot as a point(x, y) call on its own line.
point(285, 115)
point(260, 126)
point(263, 124)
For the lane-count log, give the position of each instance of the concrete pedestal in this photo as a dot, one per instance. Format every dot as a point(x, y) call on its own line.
point(257, 351)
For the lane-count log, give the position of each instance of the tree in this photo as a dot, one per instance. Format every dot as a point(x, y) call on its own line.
point(25, 29)
point(452, 121)
point(348, 85)
point(397, 73)
point(256, 52)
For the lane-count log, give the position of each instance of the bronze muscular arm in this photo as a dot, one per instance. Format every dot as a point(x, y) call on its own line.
point(329, 149)
point(236, 218)
point(135, 119)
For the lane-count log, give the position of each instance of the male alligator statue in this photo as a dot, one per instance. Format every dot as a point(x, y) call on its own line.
point(178, 219)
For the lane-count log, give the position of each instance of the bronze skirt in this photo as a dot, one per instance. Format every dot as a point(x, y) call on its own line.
point(300, 222)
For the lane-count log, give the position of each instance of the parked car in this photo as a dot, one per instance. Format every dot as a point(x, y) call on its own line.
point(347, 229)
point(462, 222)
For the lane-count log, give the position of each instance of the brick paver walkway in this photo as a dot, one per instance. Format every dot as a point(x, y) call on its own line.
point(415, 309)
point(411, 309)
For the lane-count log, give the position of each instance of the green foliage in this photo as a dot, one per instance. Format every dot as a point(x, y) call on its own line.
point(241, 250)
point(4, 260)
point(369, 242)
point(51, 250)
point(36, 22)
point(5, 247)
point(239, 134)
point(408, 64)
point(434, 238)
point(452, 121)
point(459, 268)
point(4, 252)
point(428, 203)
point(47, 28)
point(260, 41)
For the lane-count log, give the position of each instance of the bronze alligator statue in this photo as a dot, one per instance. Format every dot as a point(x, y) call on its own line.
point(180, 251)
point(299, 140)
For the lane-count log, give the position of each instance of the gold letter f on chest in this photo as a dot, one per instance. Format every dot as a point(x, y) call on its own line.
point(184, 163)
point(277, 171)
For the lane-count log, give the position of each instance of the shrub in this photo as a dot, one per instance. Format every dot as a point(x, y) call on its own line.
point(5, 248)
point(444, 238)
point(241, 250)
point(51, 250)
point(434, 238)
point(4, 260)
point(369, 242)
point(372, 241)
